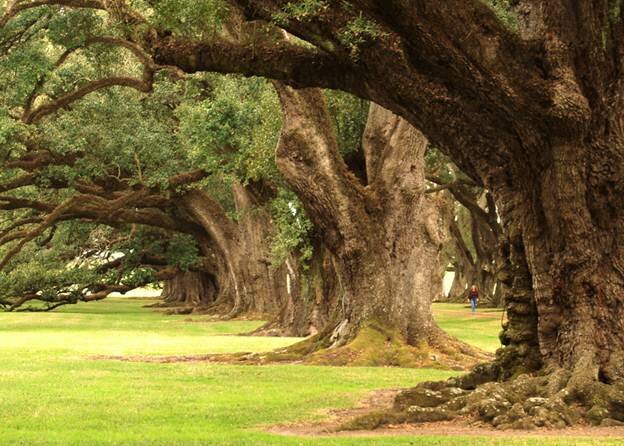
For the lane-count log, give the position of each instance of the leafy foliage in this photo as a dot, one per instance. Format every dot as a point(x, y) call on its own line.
point(302, 10)
point(360, 32)
point(190, 18)
point(349, 114)
point(293, 228)
point(503, 9)
point(226, 126)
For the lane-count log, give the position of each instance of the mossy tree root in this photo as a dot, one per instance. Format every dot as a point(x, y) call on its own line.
point(549, 399)
point(375, 344)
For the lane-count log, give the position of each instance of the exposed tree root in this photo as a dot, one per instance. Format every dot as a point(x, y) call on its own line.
point(271, 329)
point(553, 399)
point(217, 311)
point(375, 345)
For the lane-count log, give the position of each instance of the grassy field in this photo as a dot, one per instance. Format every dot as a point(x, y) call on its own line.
point(52, 394)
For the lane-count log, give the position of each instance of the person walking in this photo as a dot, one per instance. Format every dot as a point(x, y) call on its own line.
point(473, 295)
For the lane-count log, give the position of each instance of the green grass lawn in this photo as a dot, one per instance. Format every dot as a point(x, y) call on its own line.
point(480, 329)
point(51, 394)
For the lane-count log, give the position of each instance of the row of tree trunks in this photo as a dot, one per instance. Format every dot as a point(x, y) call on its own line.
point(246, 281)
point(311, 296)
point(536, 110)
point(376, 267)
point(386, 279)
point(479, 266)
point(535, 114)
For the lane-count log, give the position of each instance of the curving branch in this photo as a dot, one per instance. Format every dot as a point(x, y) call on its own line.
point(18, 223)
point(47, 222)
point(294, 64)
point(21, 181)
point(14, 7)
point(456, 188)
point(91, 292)
point(445, 186)
point(144, 85)
point(12, 203)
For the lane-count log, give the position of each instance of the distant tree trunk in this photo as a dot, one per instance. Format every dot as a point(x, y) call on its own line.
point(265, 294)
point(464, 266)
point(385, 237)
point(459, 287)
point(311, 292)
point(190, 289)
point(250, 284)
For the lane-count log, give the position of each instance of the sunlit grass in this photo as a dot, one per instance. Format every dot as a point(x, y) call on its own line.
point(123, 327)
point(50, 394)
point(480, 329)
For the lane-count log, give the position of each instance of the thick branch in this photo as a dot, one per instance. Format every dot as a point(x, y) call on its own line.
point(46, 223)
point(21, 181)
point(460, 243)
point(307, 155)
point(211, 215)
point(297, 65)
point(14, 7)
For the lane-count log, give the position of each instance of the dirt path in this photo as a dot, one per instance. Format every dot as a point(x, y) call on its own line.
point(382, 399)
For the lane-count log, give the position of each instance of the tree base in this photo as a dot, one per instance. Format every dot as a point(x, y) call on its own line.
point(375, 345)
point(555, 399)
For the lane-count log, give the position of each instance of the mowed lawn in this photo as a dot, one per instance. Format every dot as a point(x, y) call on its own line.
point(52, 393)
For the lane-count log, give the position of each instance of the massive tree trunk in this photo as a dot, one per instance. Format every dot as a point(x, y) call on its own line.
point(384, 236)
point(565, 290)
point(570, 217)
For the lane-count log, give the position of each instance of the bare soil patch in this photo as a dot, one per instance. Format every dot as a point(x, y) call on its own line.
point(248, 358)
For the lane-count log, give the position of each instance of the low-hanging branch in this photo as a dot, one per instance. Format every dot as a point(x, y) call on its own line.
point(47, 222)
point(74, 293)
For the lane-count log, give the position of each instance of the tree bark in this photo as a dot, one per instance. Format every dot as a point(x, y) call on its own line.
point(190, 289)
point(248, 283)
point(384, 236)
point(311, 292)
